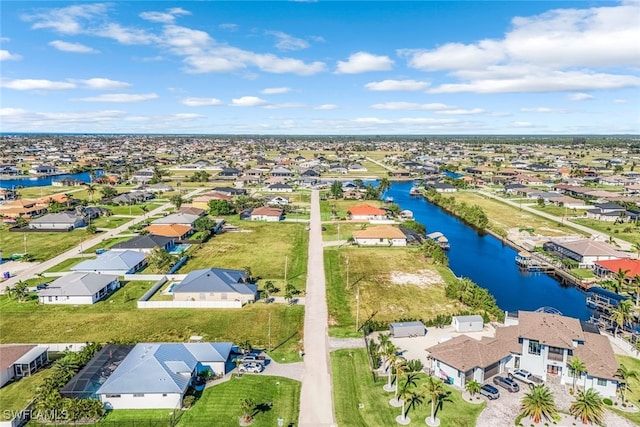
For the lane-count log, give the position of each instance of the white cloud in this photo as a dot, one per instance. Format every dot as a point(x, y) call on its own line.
point(72, 47)
point(126, 35)
point(275, 90)
point(44, 120)
point(284, 105)
point(542, 110)
point(248, 101)
point(5, 55)
point(185, 116)
point(287, 42)
point(397, 85)
point(66, 20)
point(452, 56)
point(36, 84)
point(104, 84)
point(228, 26)
point(461, 111)
point(326, 107)
point(621, 101)
point(362, 62)
point(580, 96)
point(201, 102)
point(119, 97)
point(164, 17)
point(400, 105)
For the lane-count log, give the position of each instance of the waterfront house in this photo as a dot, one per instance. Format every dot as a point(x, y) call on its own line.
point(58, 221)
point(584, 251)
point(542, 343)
point(145, 243)
point(9, 169)
point(23, 208)
point(266, 213)
point(21, 360)
point(176, 231)
point(366, 212)
point(607, 269)
point(113, 262)
point(382, 235)
point(157, 376)
point(79, 288)
point(43, 170)
point(215, 284)
point(444, 187)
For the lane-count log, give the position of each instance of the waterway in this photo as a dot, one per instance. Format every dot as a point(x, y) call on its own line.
point(489, 263)
point(43, 181)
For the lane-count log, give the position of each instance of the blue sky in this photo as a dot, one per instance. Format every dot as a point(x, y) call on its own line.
point(327, 67)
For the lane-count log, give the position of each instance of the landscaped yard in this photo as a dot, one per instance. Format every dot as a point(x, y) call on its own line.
point(359, 401)
point(341, 207)
point(633, 395)
point(15, 396)
point(66, 264)
point(118, 319)
point(42, 246)
point(263, 246)
point(394, 283)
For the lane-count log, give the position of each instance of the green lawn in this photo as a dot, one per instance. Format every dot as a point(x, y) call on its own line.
point(106, 244)
point(371, 270)
point(634, 394)
point(110, 221)
point(342, 206)
point(340, 230)
point(359, 401)
point(263, 246)
point(133, 209)
point(15, 396)
point(118, 318)
point(42, 246)
point(66, 264)
point(626, 231)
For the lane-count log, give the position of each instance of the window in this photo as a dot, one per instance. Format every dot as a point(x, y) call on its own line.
point(112, 396)
point(164, 394)
point(601, 382)
point(534, 347)
point(138, 395)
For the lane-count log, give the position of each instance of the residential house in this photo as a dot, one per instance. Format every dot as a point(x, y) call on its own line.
point(584, 251)
point(366, 212)
point(444, 187)
point(280, 188)
point(567, 202)
point(21, 360)
point(8, 169)
point(230, 191)
point(542, 343)
point(157, 375)
point(176, 231)
point(192, 210)
point(278, 201)
point(133, 198)
point(7, 194)
point(160, 187)
point(356, 167)
point(58, 221)
point(22, 208)
point(382, 235)
point(177, 218)
point(609, 212)
point(609, 268)
point(43, 170)
point(79, 288)
point(202, 202)
point(280, 172)
point(266, 213)
point(142, 175)
point(145, 243)
point(113, 262)
point(229, 173)
point(215, 284)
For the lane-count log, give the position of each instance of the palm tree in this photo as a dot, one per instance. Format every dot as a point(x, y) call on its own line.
point(91, 189)
point(624, 374)
point(621, 277)
point(577, 367)
point(383, 186)
point(636, 288)
point(636, 247)
point(434, 388)
point(473, 387)
point(588, 406)
point(247, 405)
point(621, 314)
point(391, 359)
point(144, 209)
point(539, 403)
point(401, 369)
point(410, 399)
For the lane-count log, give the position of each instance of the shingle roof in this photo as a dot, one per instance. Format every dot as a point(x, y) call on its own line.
point(57, 218)
point(597, 356)
point(177, 218)
point(143, 242)
point(267, 211)
point(550, 329)
point(78, 284)
point(588, 247)
point(10, 353)
point(111, 260)
point(380, 232)
point(214, 280)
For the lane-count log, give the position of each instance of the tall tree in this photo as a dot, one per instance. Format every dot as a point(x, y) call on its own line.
point(336, 189)
point(539, 403)
point(621, 314)
point(108, 192)
point(588, 407)
point(577, 368)
point(624, 374)
point(472, 387)
point(434, 388)
point(177, 200)
point(621, 277)
point(91, 189)
point(384, 185)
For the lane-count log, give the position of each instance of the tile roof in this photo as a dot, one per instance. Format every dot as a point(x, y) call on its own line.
point(168, 230)
point(631, 266)
point(366, 210)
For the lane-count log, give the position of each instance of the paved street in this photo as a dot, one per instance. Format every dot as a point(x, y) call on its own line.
point(316, 398)
point(76, 251)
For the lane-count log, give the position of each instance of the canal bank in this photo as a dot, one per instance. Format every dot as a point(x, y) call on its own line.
point(490, 262)
point(43, 181)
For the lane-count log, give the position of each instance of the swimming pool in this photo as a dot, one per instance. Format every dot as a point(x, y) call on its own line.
point(179, 249)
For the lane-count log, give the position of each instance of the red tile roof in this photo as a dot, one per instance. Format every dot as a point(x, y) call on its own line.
point(632, 265)
point(366, 210)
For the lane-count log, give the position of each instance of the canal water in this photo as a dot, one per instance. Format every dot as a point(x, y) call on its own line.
point(489, 263)
point(44, 180)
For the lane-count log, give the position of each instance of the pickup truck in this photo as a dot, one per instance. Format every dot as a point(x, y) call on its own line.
point(525, 376)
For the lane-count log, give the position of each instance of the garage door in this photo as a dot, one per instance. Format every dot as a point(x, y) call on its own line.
point(491, 370)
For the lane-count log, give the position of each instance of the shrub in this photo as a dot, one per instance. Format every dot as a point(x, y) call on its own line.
point(607, 401)
point(188, 401)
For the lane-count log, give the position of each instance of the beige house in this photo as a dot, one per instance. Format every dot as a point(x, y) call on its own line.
point(382, 235)
point(215, 284)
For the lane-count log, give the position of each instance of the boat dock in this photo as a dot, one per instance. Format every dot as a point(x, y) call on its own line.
point(537, 263)
point(440, 239)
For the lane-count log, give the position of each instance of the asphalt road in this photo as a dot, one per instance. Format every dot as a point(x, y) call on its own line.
point(74, 252)
point(316, 396)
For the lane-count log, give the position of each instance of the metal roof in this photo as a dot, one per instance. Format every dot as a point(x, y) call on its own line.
point(78, 284)
point(111, 260)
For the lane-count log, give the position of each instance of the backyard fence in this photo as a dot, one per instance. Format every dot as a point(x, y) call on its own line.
point(153, 289)
point(189, 304)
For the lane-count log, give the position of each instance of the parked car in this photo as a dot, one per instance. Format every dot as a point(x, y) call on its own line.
point(506, 383)
point(490, 391)
point(525, 376)
point(254, 368)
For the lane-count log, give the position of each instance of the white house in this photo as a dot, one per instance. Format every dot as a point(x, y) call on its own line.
point(472, 323)
point(584, 251)
point(58, 221)
point(366, 213)
point(542, 343)
point(280, 188)
point(113, 262)
point(382, 235)
point(21, 360)
point(265, 213)
point(79, 288)
point(156, 376)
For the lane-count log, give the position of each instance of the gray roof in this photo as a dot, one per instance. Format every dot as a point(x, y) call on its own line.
point(214, 280)
point(78, 284)
point(111, 260)
point(58, 218)
point(470, 318)
point(147, 241)
point(162, 368)
point(177, 218)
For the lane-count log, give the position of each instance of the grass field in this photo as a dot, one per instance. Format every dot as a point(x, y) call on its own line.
point(117, 318)
point(342, 206)
point(42, 246)
point(110, 221)
point(106, 244)
point(66, 264)
point(634, 394)
point(263, 246)
point(15, 396)
point(340, 230)
point(626, 231)
point(276, 397)
point(48, 190)
point(503, 217)
point(370, 270)
point(131, 209)
point(361, 402)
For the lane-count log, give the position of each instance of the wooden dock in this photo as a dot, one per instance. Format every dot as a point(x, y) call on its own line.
point(534, 262)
